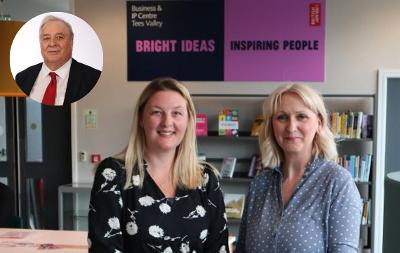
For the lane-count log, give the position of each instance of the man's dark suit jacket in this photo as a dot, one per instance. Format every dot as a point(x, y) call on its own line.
point(81, 80)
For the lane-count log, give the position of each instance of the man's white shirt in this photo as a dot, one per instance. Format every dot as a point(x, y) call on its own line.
point(43, 79)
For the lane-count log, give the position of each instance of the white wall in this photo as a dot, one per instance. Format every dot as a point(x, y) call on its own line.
point(362, 36)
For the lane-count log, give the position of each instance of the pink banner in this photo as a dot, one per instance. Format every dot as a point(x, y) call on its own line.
point(274, 40)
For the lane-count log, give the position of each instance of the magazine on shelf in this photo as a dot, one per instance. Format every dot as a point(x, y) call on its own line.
point(253, 166)
point(201, 124)
point(228, 122)
point(234, 204)
point(228, 166)
point(257, 124)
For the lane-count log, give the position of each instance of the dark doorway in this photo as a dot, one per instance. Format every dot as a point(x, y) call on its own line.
point(50, 164)
point(8, 159)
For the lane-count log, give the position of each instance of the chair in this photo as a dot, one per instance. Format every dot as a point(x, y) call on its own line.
point(16, 222)
point(6, 200)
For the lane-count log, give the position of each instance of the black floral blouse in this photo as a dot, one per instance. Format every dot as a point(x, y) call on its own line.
point(144, 220)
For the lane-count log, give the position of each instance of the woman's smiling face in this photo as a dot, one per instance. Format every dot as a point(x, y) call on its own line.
point(164, 120)
point(295, 126)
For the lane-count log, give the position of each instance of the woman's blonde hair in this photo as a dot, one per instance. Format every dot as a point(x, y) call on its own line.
point(187, 170)
point(324, 145)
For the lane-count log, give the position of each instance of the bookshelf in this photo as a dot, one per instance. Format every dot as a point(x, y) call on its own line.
point(73, 204)
point(243, 146)
point(215, 147)
point(358, 146)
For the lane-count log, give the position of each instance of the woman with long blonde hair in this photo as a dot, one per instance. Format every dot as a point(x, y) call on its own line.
point(156, 196)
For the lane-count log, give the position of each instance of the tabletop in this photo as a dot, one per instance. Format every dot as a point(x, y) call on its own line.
point(28, 240)
point(395, 176)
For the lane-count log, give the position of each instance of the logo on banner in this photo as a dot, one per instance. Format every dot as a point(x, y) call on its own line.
point(315, 14)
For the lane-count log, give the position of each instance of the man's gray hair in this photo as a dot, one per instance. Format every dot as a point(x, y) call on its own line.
point(54, 18)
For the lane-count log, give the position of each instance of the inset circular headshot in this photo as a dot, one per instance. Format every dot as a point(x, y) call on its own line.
point(56, 58)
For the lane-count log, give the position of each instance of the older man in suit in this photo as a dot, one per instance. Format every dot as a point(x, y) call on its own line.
point(59, 79)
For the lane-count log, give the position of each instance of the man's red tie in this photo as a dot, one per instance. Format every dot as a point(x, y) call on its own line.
point(49, 97)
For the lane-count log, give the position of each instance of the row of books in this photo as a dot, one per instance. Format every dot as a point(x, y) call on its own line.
point(228, 123)
point(358, 165)
point(348, 124)
point(351, 124)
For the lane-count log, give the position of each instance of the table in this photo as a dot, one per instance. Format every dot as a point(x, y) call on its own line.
point(28, 240)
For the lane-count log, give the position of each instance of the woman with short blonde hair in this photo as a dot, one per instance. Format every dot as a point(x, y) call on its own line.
point(302, 201)
point(324, 143)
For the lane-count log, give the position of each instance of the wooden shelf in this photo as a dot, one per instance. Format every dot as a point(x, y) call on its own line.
point(234, 220)
point(219, 160)
point(242, 136)
point(236, 180)
point(341, 140)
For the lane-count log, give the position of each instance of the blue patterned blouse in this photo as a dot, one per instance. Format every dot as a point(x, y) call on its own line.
point(323, 214)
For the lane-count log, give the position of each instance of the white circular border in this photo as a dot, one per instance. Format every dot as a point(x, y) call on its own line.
point(25, 49)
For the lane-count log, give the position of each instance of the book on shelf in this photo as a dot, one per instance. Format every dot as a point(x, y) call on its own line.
point(358, 116)
point(228, 122)
point(228, 166)
point(255, 165)
point(343, 125)
point(359, 166)
point(367, 168)
point(365, 214)
point(367, 126)
point(252, 168)
point(234, 205)
point(201, 124)
point(257, 124)
point(351, 159)
point(351, 124)
point(335, 122)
